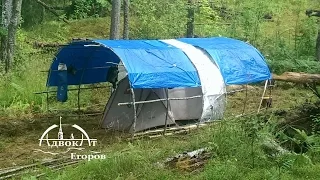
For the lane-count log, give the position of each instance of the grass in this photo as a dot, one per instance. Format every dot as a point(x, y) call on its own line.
point(233, 158)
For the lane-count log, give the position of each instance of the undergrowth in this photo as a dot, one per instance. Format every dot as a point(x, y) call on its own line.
point(242, 148)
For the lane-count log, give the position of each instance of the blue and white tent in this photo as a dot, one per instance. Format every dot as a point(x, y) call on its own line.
point(161, 69)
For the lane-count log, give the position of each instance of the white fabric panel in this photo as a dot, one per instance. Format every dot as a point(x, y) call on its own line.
point(213, 87)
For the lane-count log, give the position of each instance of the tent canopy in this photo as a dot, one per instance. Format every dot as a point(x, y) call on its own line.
point(149, 63)
point(156, 64)
point(86, 63)
point(239, 62)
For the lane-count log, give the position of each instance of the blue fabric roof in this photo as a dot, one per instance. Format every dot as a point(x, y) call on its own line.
point(86, 64)
point(239, 62)
point(150, 63)
point(155, 64)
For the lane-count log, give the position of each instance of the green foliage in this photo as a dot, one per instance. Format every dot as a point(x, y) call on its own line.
point(80, 9)
point(207, 19)
point(3, 32)
point(158, 20)
point(316, 121)
point(34, 14)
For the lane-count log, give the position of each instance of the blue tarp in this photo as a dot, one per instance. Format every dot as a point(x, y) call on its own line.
point(239, 62)
point(86, 64)
point(149, 63)
point(155, 64)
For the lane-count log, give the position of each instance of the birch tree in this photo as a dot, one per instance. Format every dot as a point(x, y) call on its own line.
point(12, 31)
point(115, 19)
point(5, 19)
point(126, 6)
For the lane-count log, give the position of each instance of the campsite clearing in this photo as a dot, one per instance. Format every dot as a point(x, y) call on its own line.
point(19, 138)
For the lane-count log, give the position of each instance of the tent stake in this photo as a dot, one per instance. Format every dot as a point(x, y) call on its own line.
point(167, 113)
point(135, 113)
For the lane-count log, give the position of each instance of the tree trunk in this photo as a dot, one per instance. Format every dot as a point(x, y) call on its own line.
point(12, 31)
point(297, 77)
point(6, 12)
point(6, 15)
point(190, 23)
point(126, 19)
point(43, 13)
point(318, 47)
point(115, 19)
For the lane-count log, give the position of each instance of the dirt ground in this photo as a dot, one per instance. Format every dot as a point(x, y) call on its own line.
point(19, 138)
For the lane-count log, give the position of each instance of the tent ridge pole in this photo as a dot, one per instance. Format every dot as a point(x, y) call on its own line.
point(135, 113)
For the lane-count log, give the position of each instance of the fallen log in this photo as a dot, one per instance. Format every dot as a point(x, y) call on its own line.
point(47, 45)
point(297, 77)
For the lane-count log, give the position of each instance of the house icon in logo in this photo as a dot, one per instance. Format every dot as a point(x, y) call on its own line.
point(61, 141)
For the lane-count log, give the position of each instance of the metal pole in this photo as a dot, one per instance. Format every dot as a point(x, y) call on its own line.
point(79, 90)
point(270, 92)
point(79, 98)
point(47, 101)
point(245, 100)
point(158, 100)
point(135, 113)
point(167, 113)
point(73, 89)
point(49, 75)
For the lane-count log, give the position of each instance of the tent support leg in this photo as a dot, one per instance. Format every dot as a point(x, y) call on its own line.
point(245, 100)
point(79, 88)
point(167, 113)
point(264, 92)
point(49, 75)
point(79, 98)
point(47, 101)
point(135, 113)
point(270, 92)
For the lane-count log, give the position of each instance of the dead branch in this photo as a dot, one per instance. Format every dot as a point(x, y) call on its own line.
point(52, 10)
point(46, 45)
point(314, 89)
